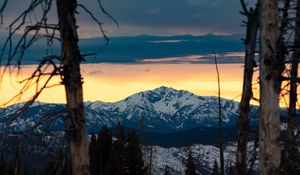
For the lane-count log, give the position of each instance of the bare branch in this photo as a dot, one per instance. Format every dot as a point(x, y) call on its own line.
point(96, 20)
point(244, 7)
point(2, 7)
point(106, 13)
point(35, 79)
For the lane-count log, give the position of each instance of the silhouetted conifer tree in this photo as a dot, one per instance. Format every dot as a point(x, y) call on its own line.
point(59, 165)
point(216, 170)
point(26, 170)
point(190, 165)
point(116, 157)
point(134, 155)
point(116, 165)
point(17, 163)
point(120, 133)
point(116, 161)
point(167, 170)
point(104, 146)
point(94, 156)
point(2, 164)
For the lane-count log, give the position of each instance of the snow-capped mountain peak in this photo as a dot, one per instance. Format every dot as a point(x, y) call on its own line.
point(162, 110)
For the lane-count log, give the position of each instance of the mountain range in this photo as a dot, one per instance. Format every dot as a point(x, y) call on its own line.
point(160, 112)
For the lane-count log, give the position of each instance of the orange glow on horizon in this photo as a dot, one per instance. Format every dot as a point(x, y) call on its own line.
point(114, 82)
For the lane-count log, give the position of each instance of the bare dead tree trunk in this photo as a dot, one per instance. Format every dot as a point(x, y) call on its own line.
point(243, 122)
point(270, 86)
point(291, 118)
point(221, 138)
point(66, 65)
point(73, 85)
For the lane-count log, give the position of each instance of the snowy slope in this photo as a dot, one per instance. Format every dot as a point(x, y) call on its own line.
point(175, 158)
point(204, 157)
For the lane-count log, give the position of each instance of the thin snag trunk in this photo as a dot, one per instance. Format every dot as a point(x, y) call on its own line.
point(271, 67)
point(221, 138)
point(290, 146)
point(73, 85)
point(243, 122)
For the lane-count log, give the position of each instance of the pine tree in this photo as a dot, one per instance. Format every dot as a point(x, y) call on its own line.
point(116, 161)
point(2, 164)
point(26, 170)
point(216, 170)
point(134, 155)
point(58, 165)
point(17, 163)
point(167, 170)
point(120, 133)
point(94, 156)
point(104, 146)
point(115, 165)
point(50, 167)
point(14, 168)
point(190, 165)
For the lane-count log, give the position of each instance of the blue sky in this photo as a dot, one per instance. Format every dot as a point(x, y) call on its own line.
point(156, 17)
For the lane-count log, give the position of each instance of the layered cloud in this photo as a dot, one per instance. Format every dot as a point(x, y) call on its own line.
point(165, 17)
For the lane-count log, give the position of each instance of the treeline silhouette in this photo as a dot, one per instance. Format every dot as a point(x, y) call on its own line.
point(108, 155)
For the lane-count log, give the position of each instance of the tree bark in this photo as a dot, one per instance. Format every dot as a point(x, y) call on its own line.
point(72, 81)
point(270, 85)
point(243, 122)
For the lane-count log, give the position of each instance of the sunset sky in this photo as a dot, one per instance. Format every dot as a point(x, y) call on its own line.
point(131, 65)
point(114, 82)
